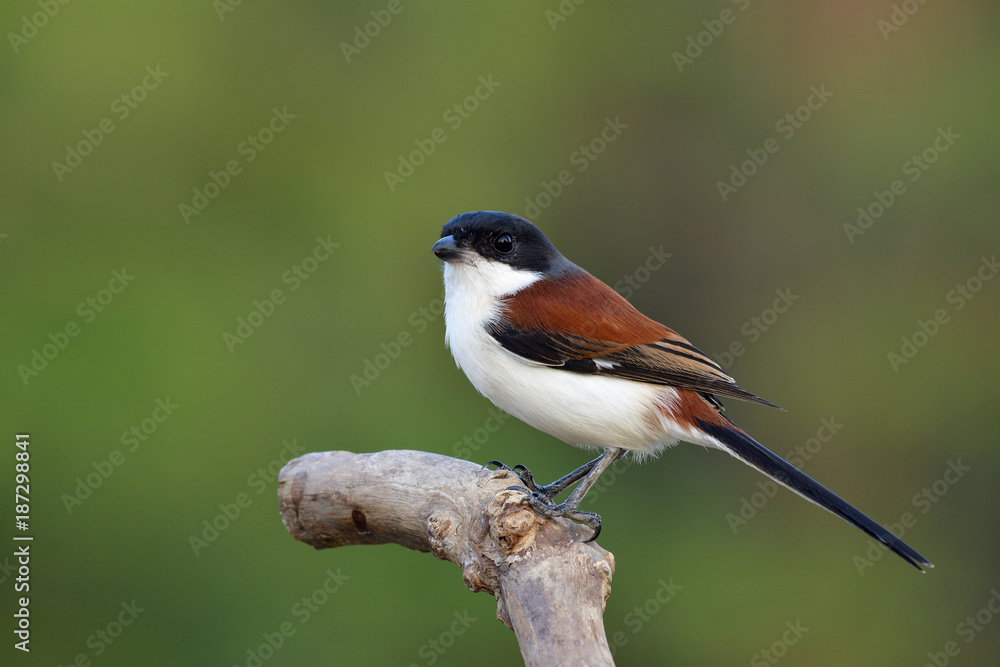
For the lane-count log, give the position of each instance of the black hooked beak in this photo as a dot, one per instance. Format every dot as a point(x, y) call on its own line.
point(446, 250)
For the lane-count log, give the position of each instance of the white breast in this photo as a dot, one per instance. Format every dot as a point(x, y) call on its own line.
point(583, 410)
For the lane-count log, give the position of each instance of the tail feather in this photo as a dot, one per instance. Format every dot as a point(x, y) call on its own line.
point(757, 456)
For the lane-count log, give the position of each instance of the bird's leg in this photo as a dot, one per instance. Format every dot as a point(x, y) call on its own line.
point(568, 509)
point(598, 467)
point(552, 490)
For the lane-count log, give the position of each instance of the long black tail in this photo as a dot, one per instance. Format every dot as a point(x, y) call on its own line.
point(756, 455)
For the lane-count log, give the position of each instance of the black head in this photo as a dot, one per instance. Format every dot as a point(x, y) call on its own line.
point(500, 237)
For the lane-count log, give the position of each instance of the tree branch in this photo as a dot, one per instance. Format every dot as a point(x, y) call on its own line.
point(550, 585)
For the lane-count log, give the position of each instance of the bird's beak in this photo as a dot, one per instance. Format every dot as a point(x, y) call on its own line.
point(446, 250)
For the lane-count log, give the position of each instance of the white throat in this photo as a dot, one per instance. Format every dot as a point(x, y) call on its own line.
point(494, 279)
point(472, 293)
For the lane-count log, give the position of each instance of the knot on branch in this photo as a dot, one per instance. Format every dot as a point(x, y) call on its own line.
point(513, 524)
point(448, 542)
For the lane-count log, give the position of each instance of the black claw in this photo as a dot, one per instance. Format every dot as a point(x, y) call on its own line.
point(523, 473)
point(543, 506)
point(525, 476)
point(498, 464)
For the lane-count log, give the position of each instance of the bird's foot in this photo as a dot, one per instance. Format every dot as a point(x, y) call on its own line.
point(541, 498)
point(525, 476)
point(544, 506)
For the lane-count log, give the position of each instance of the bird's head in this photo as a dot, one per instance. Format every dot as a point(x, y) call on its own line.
point(497, 252)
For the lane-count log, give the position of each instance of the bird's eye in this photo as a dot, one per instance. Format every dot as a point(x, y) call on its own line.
point(503, 244)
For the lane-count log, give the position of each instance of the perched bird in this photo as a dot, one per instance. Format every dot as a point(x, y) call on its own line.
point(560, 350)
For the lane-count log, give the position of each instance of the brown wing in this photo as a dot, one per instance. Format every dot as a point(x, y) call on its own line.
point(576, 323)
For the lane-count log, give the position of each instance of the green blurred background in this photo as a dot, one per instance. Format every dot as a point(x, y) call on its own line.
point(211, 79)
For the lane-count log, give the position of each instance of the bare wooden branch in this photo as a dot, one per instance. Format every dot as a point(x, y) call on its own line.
point(550, 585)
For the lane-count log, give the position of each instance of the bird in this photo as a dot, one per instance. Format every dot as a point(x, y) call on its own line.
point(552, 345)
